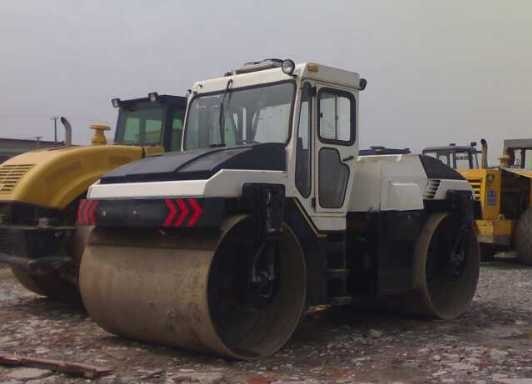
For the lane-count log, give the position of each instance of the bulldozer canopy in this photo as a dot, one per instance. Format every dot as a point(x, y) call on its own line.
point(517, 144)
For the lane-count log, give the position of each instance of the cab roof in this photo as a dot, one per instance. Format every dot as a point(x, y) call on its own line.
point(517, 144)
point(311, 71)
point(162, 99)
point(452, 148)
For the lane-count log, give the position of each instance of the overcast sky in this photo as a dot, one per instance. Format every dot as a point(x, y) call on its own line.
point(438, 71)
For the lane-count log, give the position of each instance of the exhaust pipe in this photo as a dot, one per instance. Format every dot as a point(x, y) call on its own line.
point(68, 131)
point(484, 153)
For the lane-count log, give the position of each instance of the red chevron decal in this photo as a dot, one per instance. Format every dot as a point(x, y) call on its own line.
point(183, 212)
point(86, 211)
point(196, 212)
point(172, 212)
point(80, 211)
point(84, 206)
point(92, 212)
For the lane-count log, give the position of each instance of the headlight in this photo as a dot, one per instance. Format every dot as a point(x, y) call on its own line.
point(115, 102)
point(362, 83)
point(288, 66)
point(153, 96)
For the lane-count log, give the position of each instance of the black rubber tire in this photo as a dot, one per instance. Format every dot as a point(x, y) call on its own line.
point(52, 285)
point(49, 285)
point(523, 237)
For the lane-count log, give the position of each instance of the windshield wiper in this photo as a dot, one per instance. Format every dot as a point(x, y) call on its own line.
point(221, 117)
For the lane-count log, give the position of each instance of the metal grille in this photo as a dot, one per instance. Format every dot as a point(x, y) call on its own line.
point(432, 188)
point(476, 185)
point(10, 175)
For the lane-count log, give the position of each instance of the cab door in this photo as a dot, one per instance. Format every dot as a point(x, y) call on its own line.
point(334, 149)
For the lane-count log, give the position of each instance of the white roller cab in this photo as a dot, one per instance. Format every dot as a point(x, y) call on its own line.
point(269, 210)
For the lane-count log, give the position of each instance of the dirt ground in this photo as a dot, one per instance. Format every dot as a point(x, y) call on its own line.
point(491, 343)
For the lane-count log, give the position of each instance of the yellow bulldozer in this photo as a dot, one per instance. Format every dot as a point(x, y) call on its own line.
point(503, 194)
point(40, 191)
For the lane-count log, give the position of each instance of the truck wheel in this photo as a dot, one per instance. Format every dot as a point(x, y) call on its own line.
point(50, 285)
point(523, 237)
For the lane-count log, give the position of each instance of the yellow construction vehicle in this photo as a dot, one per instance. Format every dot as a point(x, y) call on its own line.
point(40, 191)
point(503, 194)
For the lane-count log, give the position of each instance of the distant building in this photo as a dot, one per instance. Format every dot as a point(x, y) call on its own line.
point(13, 147)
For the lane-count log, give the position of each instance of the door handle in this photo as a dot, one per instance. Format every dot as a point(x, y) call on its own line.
point(348, 158)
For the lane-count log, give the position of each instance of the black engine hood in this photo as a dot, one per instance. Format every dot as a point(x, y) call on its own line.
point(200, 164)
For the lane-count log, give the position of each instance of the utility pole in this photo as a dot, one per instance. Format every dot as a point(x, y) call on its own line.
point(54, 118)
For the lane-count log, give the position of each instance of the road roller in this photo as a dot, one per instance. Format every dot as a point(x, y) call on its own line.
point(267, 211)
point(40, 191)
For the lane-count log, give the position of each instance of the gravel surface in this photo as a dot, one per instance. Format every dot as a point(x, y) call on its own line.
point(491, 343)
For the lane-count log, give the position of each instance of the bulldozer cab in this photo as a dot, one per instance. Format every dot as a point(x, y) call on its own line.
point(155, 122)
point(519, 152)
point(454, 156)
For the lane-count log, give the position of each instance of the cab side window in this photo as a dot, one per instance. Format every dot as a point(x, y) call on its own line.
point(336, 110)
point(132, 130)
point(140, 124)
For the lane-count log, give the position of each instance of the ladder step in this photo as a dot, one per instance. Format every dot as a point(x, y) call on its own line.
point(337, 272)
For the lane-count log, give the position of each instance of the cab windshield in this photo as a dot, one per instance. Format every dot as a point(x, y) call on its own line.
point(231, 117)
point(456, 159)
point(141, 124)
point(465, 160)
point(520, 158)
